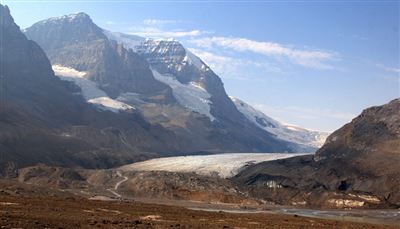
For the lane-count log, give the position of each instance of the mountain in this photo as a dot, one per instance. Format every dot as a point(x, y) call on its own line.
point(358, 166)
point(45, 120)
point(75, 41)
point(204, 91)
point(304, 138)
point(161, 79)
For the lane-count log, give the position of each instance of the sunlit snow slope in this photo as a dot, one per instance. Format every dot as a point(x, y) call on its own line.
point(191, 96)
point(223, 165)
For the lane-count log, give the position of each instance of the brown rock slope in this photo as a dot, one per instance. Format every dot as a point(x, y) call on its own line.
point(358, 166)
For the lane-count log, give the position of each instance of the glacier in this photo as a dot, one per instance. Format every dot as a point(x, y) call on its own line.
point(222, 165)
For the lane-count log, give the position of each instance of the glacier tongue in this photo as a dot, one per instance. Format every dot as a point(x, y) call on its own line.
point(223, 165)
point(89, 89)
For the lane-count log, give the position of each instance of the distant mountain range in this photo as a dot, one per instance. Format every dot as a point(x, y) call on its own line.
point(119, 98)
point(165, 82)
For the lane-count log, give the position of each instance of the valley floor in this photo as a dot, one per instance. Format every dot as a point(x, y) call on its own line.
point(23, 206)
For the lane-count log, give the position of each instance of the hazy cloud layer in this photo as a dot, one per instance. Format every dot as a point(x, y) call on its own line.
point(160, 22)
point(305, 57)
point(156, 32)
point(233, 67)
point(388, 69)
point(306, 114)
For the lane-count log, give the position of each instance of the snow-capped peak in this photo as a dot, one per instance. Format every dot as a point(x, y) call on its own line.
point(175, 57)
point(171, 50)
point(69, 17)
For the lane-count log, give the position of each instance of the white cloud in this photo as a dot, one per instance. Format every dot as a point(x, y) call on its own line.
point(388, 69)
point(231, 67)
point(308, 115)
point(305, 57)
point(314, 112)
point(153, 32)
point(160, 22)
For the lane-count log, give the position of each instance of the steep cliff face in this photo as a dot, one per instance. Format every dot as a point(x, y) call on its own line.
point(358, 166)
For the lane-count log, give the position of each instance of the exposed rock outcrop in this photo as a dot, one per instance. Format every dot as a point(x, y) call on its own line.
point(358, 166)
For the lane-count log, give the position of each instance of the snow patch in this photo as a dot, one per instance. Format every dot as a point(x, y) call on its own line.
point(110, 104)
point(223, 165)
point(89, 89)
point(191, 96)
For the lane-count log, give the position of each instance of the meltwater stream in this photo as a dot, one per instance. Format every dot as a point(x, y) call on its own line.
point(386, 216)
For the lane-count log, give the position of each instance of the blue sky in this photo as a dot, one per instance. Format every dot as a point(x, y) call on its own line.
point(312, 64)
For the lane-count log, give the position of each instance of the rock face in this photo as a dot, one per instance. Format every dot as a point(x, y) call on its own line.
point(358, 166)
point(169, 85)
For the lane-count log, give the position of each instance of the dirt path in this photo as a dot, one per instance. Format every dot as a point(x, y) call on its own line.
point(125, 178)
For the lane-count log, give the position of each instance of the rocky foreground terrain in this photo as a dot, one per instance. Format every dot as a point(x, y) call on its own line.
point(26, 206)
